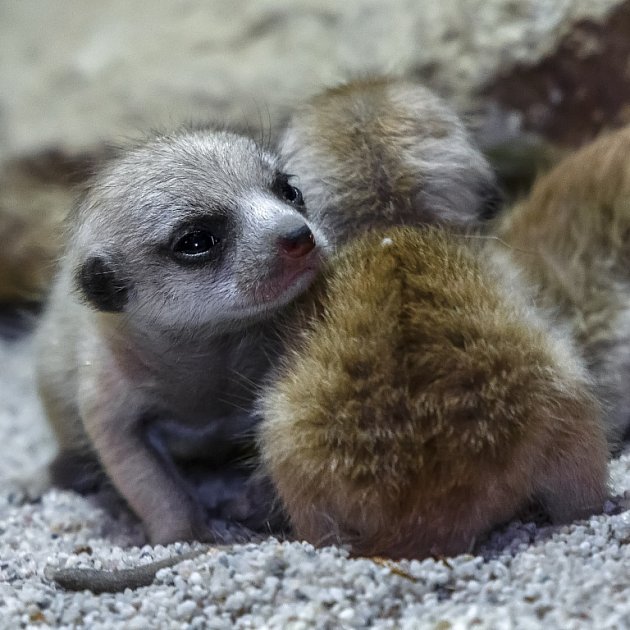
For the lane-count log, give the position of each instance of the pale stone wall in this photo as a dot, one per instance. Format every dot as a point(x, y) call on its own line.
point(77, 72)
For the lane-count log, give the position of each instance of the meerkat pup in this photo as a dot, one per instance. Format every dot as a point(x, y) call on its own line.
point(571, 239)
point(385, 151)
point(178, 257)
point(422, 400)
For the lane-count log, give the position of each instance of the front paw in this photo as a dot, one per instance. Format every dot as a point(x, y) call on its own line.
point(188, 527)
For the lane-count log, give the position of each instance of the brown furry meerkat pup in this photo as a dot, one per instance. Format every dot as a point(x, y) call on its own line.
point(571, 237)
point(384, 151)
point(423, 400)
point(178, 257)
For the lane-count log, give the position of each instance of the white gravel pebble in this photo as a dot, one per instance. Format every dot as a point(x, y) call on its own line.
point(524, 576)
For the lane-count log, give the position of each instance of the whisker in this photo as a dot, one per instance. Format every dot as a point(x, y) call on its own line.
point(489, 237)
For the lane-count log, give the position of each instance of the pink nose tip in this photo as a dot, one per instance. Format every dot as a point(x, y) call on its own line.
point(297, 243)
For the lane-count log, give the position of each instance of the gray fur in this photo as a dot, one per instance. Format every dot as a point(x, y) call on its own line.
point(190, 342)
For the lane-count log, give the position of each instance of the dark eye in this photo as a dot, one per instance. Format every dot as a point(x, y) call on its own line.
point(288, 192)
point(195, 245)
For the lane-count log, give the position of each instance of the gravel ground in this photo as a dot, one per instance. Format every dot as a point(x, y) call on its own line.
point(525, 576)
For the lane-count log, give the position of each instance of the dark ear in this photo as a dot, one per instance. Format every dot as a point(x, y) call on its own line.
point(102, 284)
point(491, 200)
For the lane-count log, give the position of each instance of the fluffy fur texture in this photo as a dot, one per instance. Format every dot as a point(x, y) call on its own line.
point(382, 152)
point(26, 259)
point(31, 213)
point(160, 322)
point(571, 237)
point(423, 401)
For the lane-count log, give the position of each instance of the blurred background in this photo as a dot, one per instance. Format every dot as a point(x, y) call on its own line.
point(533, 78)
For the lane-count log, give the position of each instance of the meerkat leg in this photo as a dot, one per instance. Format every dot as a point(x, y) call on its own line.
point(157, 496)
point(112, 417)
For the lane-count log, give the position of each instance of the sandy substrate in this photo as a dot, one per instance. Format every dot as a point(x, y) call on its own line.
point(525, 576)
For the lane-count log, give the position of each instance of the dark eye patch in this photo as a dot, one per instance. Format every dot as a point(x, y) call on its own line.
point(287, 192)
point(102, 283)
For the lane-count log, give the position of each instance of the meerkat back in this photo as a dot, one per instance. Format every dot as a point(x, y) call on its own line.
point(382, 152)
point(570, 237)
point(420, 403)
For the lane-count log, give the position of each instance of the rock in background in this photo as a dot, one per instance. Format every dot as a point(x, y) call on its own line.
point(77, 75)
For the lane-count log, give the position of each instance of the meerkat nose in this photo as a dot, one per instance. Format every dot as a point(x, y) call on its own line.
point(297, 243)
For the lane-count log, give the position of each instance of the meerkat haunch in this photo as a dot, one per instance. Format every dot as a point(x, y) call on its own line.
point(29, 246)
point(31, 213)
point(382, 152)
point(570, 237)
point(177, 259)
point(422, 400)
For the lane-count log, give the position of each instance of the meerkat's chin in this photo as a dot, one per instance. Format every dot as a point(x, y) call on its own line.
point(295, 283)
point(275, 294)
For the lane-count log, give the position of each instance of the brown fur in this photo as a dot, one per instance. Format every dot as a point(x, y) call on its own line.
point(31, 213)
point(387, 152)
point(26, 258)
point(420, 404)
point(571, 237)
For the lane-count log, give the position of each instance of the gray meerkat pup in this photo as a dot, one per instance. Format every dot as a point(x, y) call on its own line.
point(423, 400)
point(178, 257)
point(384, 151)
point(570, 237)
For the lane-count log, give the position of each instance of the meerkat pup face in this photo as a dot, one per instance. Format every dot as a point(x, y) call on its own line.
point(381, 152)
point(191, 229)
